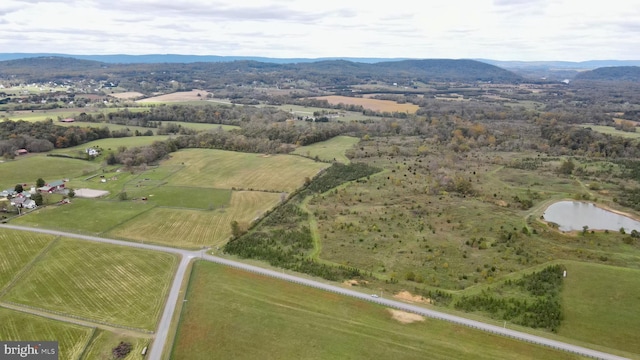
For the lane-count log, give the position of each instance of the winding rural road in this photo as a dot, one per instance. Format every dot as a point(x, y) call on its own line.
point(162, 332)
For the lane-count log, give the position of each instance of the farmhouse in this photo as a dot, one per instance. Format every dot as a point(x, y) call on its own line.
point(23, 202)
point(92, 152)
point(21, 152)
point(52, 186)
point(67, 120)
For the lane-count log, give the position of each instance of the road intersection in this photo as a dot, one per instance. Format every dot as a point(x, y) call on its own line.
point(162, 332)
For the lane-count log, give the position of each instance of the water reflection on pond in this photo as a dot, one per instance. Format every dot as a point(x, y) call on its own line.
point(574, 215)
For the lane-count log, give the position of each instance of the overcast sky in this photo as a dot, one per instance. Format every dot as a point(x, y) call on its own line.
point(572, 30)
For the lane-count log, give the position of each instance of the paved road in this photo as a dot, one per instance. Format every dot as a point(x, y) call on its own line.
point(158, 345)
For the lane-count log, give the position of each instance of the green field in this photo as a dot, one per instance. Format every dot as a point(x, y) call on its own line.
point(112, 144)
point(196, 228)
point(231, 314)
point(104, 341)
point(18, 326)
point(612, 131)
point(182, 197)
point(330, 150)
point(18, 249)
point(84, 215)
point(601, 305)
point(27, 169)
point(227, 169)
point(98, 282)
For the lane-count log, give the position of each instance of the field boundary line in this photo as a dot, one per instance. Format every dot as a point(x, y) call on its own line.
point(72, 317)
point(27, 267)
point(88, 343)
point(127, 220)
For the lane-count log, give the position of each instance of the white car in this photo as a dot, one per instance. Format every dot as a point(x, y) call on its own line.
point(374, 295)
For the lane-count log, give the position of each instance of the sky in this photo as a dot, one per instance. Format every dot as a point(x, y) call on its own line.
point(527, 30)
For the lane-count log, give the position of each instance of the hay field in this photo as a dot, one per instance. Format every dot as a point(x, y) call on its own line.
point(274, 319)
point(127, 95)
point(330, 150)
point(18, 326)
point(177, 97)
point(182, 197)
point(601, 305)
point(99, 282)
point(83, 215)
point(196, 228)
point(227, 169)
point(18, 249)
point(371, 104)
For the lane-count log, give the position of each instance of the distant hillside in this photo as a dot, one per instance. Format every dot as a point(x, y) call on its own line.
point(323, 73)
point(184, 59)
point(616, 73)
point(451, 70)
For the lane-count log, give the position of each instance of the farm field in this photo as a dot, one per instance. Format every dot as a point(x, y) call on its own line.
point(41, 115)
point(177, 97)
point(227, 169)
point(98, 282)
point(112, 144)
point(196, 228)
point(29, 168)
point(18, 326)
point(18, 249)
point(600, 305)
point(103, 342)
point(127, 95)
point(272, 319)
point(201, 126)
point(371, 104)
point(342, 115)
point(330, 150)
point(612, 131)
point(83, 215)
point(182, 197)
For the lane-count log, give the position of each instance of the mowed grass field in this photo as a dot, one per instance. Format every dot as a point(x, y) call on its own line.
point(330, 150)
point(18, 326)
point(27, 169)
point(184, 197)
point(104, 341)
point(371, 104)
point(196, 228)
point(232, 314)
point(99, 282)
point(227, 169)
point(177, 97)
point(113, 143)
point(601, 305)
point(18, 249)
point(83, 215)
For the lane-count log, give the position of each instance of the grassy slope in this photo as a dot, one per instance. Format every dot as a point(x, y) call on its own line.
point(18, 248)
point(329, 150)
point(227, 169)
point(271, 319)
point(17, 326)
point(84, 215)
point(613, 131)
point(601, 305)
point(185, 197)
point(101, 282)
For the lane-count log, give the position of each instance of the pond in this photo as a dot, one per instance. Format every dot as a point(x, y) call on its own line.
point(573, 215)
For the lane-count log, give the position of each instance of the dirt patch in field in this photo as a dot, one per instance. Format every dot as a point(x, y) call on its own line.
point(405, 295)
point(178, 96)
point(355, 282)
point(502, 203)
point(127, 95)
point(405, 317)
point(90, 193)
